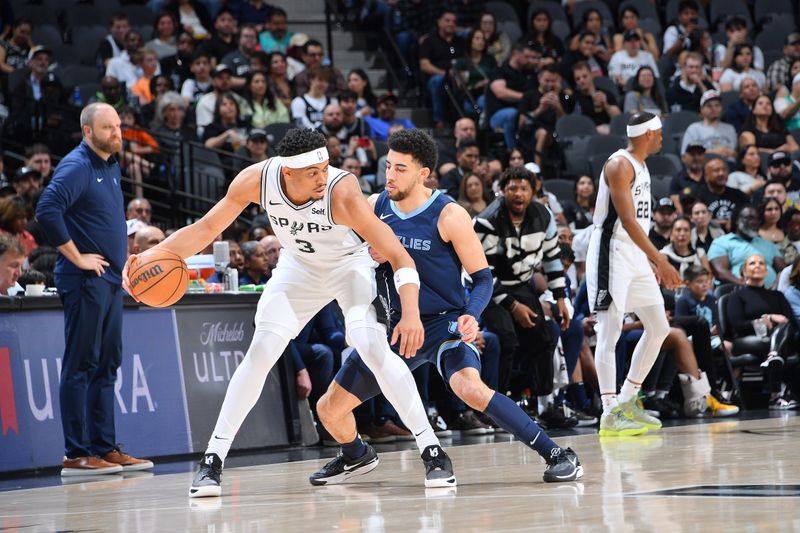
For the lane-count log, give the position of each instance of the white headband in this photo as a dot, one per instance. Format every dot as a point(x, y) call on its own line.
point(640, 129)
point(306, 159)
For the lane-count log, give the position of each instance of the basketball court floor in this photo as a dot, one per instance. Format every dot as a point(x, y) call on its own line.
point(739, 475)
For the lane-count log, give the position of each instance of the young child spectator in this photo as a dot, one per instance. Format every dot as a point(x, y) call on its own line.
point(200, 82)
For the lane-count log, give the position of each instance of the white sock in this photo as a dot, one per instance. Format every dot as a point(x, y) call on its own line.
point(629, 390)
point(609, 402)
point(544, 401)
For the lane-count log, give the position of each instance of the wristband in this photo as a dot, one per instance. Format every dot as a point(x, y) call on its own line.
point(405, 275)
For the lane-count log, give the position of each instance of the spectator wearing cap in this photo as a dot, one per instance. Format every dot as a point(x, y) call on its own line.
point(593, 102)
point(778, 74)
point(139, 209)
point(26, 87)
point(133, 226)
point(685, 92)
point(220, 83)
point(737, 33)
point(239, 59)
point(664, 215)
point(14, 214)
point(765, 129)
point(787, 104)
point(437, 52)
point(255, 149)
point(676, 37)
point(308, 109)
point(781, 168)
point(715, 136)
point(741, 67)
point(14, 51)
point(313, 54)
point(125, 67)
point(27, 182)
point(387, 108)
point(276, 34)
point(223, 41)
point(737, 112)
point(721, 200)
point(12, 255)
point(625, 63)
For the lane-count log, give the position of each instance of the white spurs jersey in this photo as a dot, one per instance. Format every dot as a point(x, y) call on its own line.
point(306, 231)
point(605, 215)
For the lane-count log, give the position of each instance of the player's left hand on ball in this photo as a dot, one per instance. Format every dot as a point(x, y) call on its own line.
point(130, 264)
point(411, 335)
point(468, 327)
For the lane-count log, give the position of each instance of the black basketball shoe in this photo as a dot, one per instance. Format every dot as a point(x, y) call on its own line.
point(207, 479)
point(438, 468)
point(565, 466)
point(340, 469)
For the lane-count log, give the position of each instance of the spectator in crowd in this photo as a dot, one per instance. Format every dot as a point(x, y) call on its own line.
point(140, 209)
point(125, 67)
point(239, 59)
point(387, 107)
point(164, 42)
point(629, 21)
point(12, 255)
point(737, 33)
point(255, 149)
point(507, 88)
point(308, 108)
point(89, 283)
point(579, 211)
point(111, 92)
point(278, 79)
point(254, 12)
point(366, 101)
point(664, 214)
point(585, 53)
point(276, 34)
point(787, 105)
point(220, 83)
point(729, 253)
point(353, 165)
point(473, 71)
point(437, 52)
point(313, 54)
point(256, 270)
point(703, 230)
point(741, 67)
point(137, 147)
point(778, 74)
point(27, 88)
point(227, 130)
point(464, 129)
point(625, 63)
point(645, 94)
point(26, 182)
point(193, 17)
point(261, 105)
point(334, 146)
point(38, 157)
point(775, 188)
point(146, 238)
point(113, 45)
point(676, 36)
point(201, 82)
point(223, 41)
point(473, 195)
point(498, 42)
point(170, 129)
point(178, 66)
point(766, 130)
point(679, 250)
point(736, 113)
point(273, 247)
point(771, 214)
point(332, 122)
point(14, 214)
point(715, 136)
point(539, 110)
point(149, 65)
point(748, 177)
point(14, 51)
point(353, 124)
point(468, 155)
point(541, 37)
point(593, 23)
point(756, 302)
point(31, 277)
point(722, 201)
point(596, 103)
point(685, 91)
point(159, 86)
point(780, 167)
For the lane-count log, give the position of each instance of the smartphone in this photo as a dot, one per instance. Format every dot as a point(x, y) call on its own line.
point(363, 142)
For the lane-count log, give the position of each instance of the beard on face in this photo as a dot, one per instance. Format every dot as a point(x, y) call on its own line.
point(399, 195)
point(110, 146)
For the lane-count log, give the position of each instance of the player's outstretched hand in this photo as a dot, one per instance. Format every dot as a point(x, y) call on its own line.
point(411, 334)
point(468, 327)
point(667, 274)
point(130, 264)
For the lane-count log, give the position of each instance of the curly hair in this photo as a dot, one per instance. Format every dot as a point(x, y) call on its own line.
point(517, 173)
point(299, 141)
point(418, 144)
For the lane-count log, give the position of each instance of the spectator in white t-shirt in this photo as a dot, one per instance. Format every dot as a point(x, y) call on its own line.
point(626, 63)
point(676, 38)
point(741, 68)
point(715, 136)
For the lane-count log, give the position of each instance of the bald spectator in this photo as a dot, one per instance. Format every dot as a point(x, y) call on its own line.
point(313, 54)
point(146, 238)
point(463, 130)
point(273, 247)
point(737, 112)
point(140, 209)
point(12, 255)
point(722, 201)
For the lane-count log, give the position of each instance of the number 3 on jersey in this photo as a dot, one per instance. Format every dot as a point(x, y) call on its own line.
point(643, 209)
point(305, 246)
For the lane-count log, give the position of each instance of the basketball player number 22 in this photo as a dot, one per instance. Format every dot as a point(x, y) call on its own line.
point(643, 209)
point(305, 246)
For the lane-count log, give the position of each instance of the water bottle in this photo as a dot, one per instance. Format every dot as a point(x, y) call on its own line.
point(231, 279)
point(77, 99)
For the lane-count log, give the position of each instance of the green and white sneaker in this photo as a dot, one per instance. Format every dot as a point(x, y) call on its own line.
point(633, 410)
point(616, 424)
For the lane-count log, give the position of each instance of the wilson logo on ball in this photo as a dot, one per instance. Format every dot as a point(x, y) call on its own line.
point(147, 275)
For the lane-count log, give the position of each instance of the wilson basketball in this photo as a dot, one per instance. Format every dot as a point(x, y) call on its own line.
point(160, 278)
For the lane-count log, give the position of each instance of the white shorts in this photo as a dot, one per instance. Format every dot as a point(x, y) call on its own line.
point(298, 289)
point(617, 270)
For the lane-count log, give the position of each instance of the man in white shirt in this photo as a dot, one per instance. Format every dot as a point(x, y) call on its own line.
point(125, 66)
point(677, 36)
point(220, 83)
point(627, 62)
point(715, 136)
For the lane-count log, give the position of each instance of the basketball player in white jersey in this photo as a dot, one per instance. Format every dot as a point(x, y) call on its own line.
point(318, 214)
point(623, 269)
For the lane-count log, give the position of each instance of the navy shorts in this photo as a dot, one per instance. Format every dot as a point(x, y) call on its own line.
point(442, 347)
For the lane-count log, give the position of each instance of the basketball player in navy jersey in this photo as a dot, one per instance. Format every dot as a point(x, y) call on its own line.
point(319, 221)
point(438, 234)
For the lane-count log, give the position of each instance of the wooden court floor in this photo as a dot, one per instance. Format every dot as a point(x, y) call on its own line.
point(726, 476)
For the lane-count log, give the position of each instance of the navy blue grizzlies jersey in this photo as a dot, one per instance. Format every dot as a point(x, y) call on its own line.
point(439, 268)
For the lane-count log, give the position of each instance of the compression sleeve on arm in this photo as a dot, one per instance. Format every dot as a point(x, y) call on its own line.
point(481, 292)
